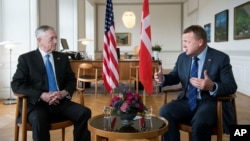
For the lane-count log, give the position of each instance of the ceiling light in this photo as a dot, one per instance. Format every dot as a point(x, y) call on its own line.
point(129, 19)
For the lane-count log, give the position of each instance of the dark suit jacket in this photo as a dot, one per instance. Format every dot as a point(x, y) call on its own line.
point(30, 77)
point(219, 70)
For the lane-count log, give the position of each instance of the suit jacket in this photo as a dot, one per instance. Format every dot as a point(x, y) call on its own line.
point(219, 70)
point(31, 79)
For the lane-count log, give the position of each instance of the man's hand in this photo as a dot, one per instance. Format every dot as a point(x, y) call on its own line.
point(50, 98)
point(158, 75)
point(53, 98)
point(205, 84)
point(61, 94)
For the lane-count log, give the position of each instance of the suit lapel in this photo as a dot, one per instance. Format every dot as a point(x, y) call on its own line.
point(57, 59)
point(207, 62)
point(187, 70)
point(40, 62)
point(58, 71)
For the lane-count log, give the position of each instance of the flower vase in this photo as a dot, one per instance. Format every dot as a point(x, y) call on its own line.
point(127, 118)
point(156, 55)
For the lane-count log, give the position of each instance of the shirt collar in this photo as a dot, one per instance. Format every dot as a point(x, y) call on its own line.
point(44, 53)
point(202, 55)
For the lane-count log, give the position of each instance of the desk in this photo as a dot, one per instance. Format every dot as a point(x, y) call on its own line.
point(124, 66)
point(95, 126)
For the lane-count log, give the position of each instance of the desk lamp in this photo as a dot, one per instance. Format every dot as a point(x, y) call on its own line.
point(85, 42)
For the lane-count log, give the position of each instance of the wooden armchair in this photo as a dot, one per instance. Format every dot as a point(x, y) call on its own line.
point(134, 76)
point(25, 126)
point(88, 73)
point(218, 130)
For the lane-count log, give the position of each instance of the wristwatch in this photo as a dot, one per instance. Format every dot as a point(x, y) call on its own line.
point(68, 96)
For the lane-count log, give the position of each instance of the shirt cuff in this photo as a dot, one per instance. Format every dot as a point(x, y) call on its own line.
point(162, 82)
point(215, 89)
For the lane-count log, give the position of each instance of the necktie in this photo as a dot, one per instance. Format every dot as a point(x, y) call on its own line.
point(192, 96)
point(50, 74)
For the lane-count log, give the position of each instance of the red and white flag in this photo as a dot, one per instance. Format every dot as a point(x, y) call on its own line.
point(110, 72)
point(145, 54)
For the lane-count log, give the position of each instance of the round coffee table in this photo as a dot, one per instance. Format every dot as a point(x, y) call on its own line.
point(134, 131)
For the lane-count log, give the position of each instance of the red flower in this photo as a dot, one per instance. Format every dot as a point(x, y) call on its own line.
point(127, 103)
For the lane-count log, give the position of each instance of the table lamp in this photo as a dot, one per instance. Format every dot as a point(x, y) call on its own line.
point(85, 42)
point(10, 45)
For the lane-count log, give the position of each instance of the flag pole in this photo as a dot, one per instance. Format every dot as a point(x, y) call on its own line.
point(144, 97)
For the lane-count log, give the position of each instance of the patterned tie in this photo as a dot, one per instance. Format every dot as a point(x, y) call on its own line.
point(192, 95)
point(50, 74)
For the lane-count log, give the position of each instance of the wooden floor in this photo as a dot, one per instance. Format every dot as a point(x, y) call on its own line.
point(7, 115)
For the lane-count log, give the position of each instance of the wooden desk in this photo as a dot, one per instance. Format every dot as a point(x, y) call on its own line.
point(124, 66)
point(95, 126)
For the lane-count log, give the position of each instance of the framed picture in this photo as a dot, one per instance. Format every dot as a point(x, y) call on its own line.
point(221, 26)
point(207, 28)
point(242, 21)
point(123, 39)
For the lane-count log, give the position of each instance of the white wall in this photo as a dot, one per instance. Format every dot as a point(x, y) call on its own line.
point(90, 30)
point(204, 13)
point(17, 24)
point(68, 23)
point(166, 27)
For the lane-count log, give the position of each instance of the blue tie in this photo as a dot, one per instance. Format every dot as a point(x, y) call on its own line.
point(50, 74)
point(192, 92)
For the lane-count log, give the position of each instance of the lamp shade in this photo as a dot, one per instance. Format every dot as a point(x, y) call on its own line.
point(9, 44)
point(128, 19)
point(85, 41)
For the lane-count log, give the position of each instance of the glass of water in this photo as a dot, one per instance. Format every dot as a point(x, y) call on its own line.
point(148, 112)
point(107, 118)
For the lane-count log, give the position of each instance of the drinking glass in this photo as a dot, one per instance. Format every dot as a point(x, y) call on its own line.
point(148, 112)
point(107, 118)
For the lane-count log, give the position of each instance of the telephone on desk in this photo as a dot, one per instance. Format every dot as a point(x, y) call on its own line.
point(74, 55)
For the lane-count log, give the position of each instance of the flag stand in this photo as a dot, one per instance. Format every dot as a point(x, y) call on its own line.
point(144, 97)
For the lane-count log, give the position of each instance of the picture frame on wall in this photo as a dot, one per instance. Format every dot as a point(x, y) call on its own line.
point(221, 26)
point(242, 21)
point(123, 39)
point(207, 28)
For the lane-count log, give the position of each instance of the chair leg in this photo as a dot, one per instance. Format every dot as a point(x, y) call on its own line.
point(63, 134)
point(137, 86)
point(156, 88)
point(219, 137)
point(16, 133)
point(189, 136)
point(96, 89)
point(24, 133)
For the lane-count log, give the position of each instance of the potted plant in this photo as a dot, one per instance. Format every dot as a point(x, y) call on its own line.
point(156, 49)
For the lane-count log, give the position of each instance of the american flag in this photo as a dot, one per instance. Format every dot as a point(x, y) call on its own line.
point(110, 72)
point(145, 64)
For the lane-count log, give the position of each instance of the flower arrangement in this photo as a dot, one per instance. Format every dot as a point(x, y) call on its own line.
point(156, 48)
point(128, 102)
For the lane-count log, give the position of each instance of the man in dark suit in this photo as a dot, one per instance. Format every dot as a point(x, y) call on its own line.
point(214, 78)
point(44, 104)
